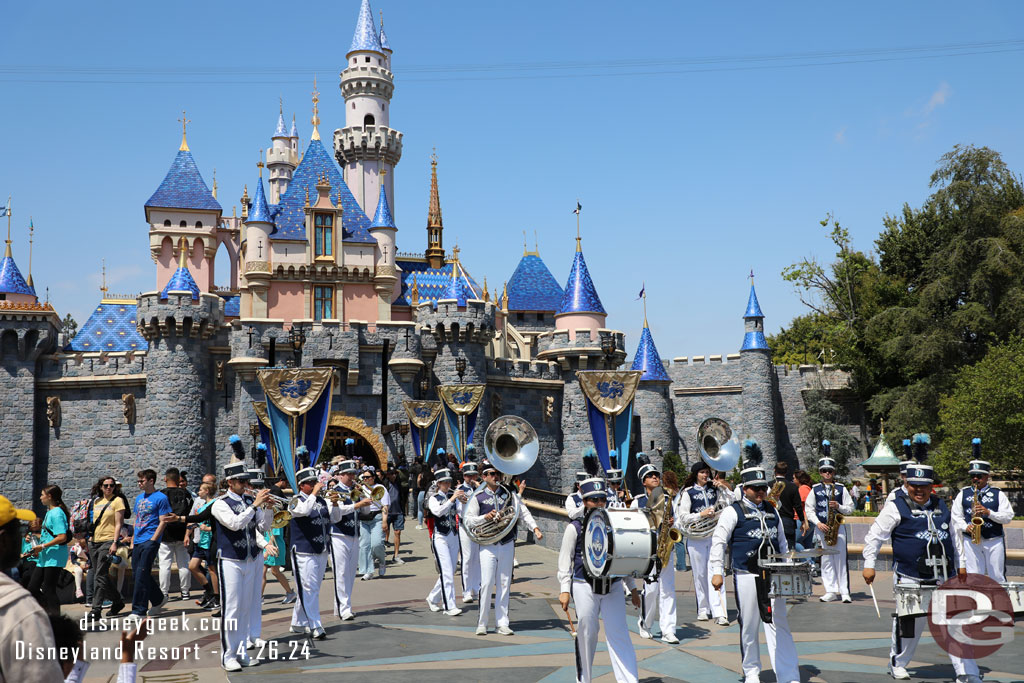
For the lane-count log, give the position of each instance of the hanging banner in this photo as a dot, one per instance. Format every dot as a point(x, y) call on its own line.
point(609, 395)
point(424, 423)
point(298, 407)
point(263, 420)
point(461, 402)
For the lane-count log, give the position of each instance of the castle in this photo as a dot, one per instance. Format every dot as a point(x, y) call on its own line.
point(163, 378)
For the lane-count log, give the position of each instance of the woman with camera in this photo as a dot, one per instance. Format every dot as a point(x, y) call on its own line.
point(107, 516)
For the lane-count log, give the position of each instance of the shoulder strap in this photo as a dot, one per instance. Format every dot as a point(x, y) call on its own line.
point(97, 520)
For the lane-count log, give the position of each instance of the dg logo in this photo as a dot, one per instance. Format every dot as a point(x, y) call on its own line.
point(972, 618)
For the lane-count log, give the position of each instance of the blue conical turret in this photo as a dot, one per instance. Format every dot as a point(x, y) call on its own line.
point(280, 131)
point(648, 360)
point(366, 36)
point(181, 280)
point(383, 217)
point(753, 338)
point(580, 294)
point(260, 212)
point(11, 280)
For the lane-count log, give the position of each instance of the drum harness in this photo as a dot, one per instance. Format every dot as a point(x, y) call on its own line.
point(930, 560)
point(762, 575)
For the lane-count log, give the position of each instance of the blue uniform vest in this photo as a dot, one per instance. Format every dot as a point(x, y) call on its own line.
point(577, 558)
point(910, 538)
point(746, 537)
point(821, 499)
point(485, 499)
point(989, 497)
point(701, 497)
point(641, 501)
point(309, 533)
point(241, 544)
point(349, 524)
point(444, 525)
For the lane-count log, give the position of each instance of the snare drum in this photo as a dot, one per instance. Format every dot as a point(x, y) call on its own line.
point(1016, 593)
point(912, 600)
point(617, 542)
point(789, 579)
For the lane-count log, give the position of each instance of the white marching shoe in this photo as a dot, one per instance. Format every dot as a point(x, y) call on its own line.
point(434, 607)
point(829, 597)
point(453, 612)
point(644, 633)
point(899, 673)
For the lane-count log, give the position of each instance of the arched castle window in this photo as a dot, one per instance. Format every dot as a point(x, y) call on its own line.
point(368, 120)
point(183, 224)
point(167, 223)
point(199, 225)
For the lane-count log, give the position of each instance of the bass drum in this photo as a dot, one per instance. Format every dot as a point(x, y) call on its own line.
point(617, 543)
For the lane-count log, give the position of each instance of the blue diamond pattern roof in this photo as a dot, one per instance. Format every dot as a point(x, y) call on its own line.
point(532, 287)
point(383, 217)
point(753, 308)
point(280, 131)
point(111, 327)
point(432, 283)
point(294, 131)
point(384, 39)
point(232, 305)
point(183, 187)
point(580, 295)
point(458, 289)
point(291, 216)
point(648, 360)
point(365, 37)
point(753, 341)
point(11, 281)
point(259, 212)
point(181, 281)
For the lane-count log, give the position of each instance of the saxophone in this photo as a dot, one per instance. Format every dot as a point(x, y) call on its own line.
point(776, 491)
point(977, 520)
point(660, 505)
point(834, 519)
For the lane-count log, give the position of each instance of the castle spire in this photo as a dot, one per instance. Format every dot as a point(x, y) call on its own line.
point(647, 359)
point(383, 218)
point(31, 231)
point(315, 135)
point(366, 36)
point(384, 44)
point(435, 224)
point(280, 131)
point(753, 323)
point(184, 132)
point(215, 183)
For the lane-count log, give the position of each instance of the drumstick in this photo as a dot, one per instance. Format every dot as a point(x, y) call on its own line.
point(572, 629)
point(874, 600)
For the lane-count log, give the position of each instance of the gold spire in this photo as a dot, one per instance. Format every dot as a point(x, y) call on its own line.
point(245, 202)
point(7, 251)
point(103, 287)
point(414, 297)
point(215, 183)
point(525, 252)
point(643, 288)
point(184, 131)
point(504, 298)
point(536, 244)
point(315, 135)
point(260, 164)
point(31, 230)
point(487, 295)
point(579, 210)
point(182, 247)
point(434, 212)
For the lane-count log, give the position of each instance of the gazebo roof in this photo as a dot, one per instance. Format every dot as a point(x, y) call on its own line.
point(882, 458)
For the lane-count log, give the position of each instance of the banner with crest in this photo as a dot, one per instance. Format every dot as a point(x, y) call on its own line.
point(609, 395)
point(298, 408)
point(424, 423)
point(461, 402)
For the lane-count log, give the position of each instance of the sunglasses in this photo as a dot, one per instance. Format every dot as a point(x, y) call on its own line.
point(108, 486)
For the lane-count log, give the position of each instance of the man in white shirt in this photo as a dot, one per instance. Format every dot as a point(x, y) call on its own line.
point(993, 508)
point(310, 538)
point(825, 496)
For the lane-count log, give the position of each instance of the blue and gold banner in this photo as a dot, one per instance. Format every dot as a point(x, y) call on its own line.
point(263, 420)
point(424, 423)
point(609, 395)
point(461, 402)
point(298, 408)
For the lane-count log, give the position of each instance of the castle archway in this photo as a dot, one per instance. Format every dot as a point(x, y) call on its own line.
point(368, 444)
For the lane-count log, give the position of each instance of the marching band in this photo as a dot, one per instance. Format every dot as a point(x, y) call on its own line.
point(827, 499)
point(659, 594)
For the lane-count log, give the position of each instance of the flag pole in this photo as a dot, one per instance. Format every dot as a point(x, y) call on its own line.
point(645, 305)
point(7, 251)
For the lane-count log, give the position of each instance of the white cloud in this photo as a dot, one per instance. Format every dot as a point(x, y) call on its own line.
point(938, 98)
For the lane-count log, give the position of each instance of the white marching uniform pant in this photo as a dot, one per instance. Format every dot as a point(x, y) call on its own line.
point(309, 575)
point(240, 592)
point(988, 557)
point(902, 650)
point(446, 553)
point(470, 550)
point(835, 571)
point(778, 637)
point(660, 596)
point(496, 574)
point(344, 556)
point(708, 599)
point(590, 610)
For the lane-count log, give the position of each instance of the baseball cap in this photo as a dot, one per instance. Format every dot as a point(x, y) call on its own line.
point(9, 512)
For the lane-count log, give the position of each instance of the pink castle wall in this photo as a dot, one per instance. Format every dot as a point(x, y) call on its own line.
point(580, 321)
point(199, 266)
point(165, 263)
point(401, 314)
point(360, 303)
point(286, 300)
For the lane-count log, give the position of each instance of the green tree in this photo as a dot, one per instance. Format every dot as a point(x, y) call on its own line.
point(825, 420)
point(70, 327)
point(671, 462)
point(987, 401)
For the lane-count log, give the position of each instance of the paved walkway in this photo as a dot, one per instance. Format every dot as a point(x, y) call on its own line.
point(396, 638)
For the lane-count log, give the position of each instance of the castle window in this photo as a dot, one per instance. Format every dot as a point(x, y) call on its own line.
point(367, 59)
point(520, 317)
point(323, 227)
point(199, 225)
point(183, 224)
point(540, 317)
point(368, 120)
point(323, 303)
point(167, 223)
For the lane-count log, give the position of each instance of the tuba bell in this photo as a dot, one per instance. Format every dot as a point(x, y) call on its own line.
point(512, 447)
point(717, 445)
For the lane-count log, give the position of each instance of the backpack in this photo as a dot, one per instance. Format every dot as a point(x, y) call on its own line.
point(81, 515)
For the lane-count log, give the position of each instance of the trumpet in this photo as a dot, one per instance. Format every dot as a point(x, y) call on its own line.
point(376, 494)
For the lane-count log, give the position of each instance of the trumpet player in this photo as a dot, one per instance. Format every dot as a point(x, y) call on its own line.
point(309, 528)
point(992, 507)
point(660, 586)
point(496, 559)
point(700, 500)
point(468, 548)
point(345, 538)
point(593, 607)
point(828, 497)
point(444, 543)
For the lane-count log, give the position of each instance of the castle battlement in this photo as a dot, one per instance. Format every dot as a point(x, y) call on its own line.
point(697, 361)
point(518, 368)
point(474, 322)
point(368, 143)
point(578, 340)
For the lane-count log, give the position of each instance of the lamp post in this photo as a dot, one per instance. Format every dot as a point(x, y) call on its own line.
point(297, 337)
point(608, 348)
point(254, 432)
point(460, 367)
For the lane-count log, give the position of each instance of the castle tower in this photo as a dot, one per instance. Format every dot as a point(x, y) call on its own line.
point(758, 380)
point(435, 225)
point(183, 206)
point(14, 288)
point(385, 278)
point(653, 404)
point(581, 306)
point(366, 146)
point(258, 226)
point(282, 158)
point(533, 295)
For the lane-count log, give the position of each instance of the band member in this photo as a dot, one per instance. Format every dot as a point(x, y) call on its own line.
point(698, 500)
point(659, 593)
point(444, 543)
point(751, 529)
point(309, 530)
point(574, 502)
point(825, 496)
point(616, 494)
point(595, 601)
point(993, 507)
point(923, 550)
point(468, 548)
point(345, 539)
point(240, 521)
point(496, 559)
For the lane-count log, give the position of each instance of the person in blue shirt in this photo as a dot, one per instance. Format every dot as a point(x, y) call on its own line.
point(52, 552)
point(149, 506)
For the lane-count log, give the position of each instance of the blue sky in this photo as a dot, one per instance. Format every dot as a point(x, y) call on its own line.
point(702, 139)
